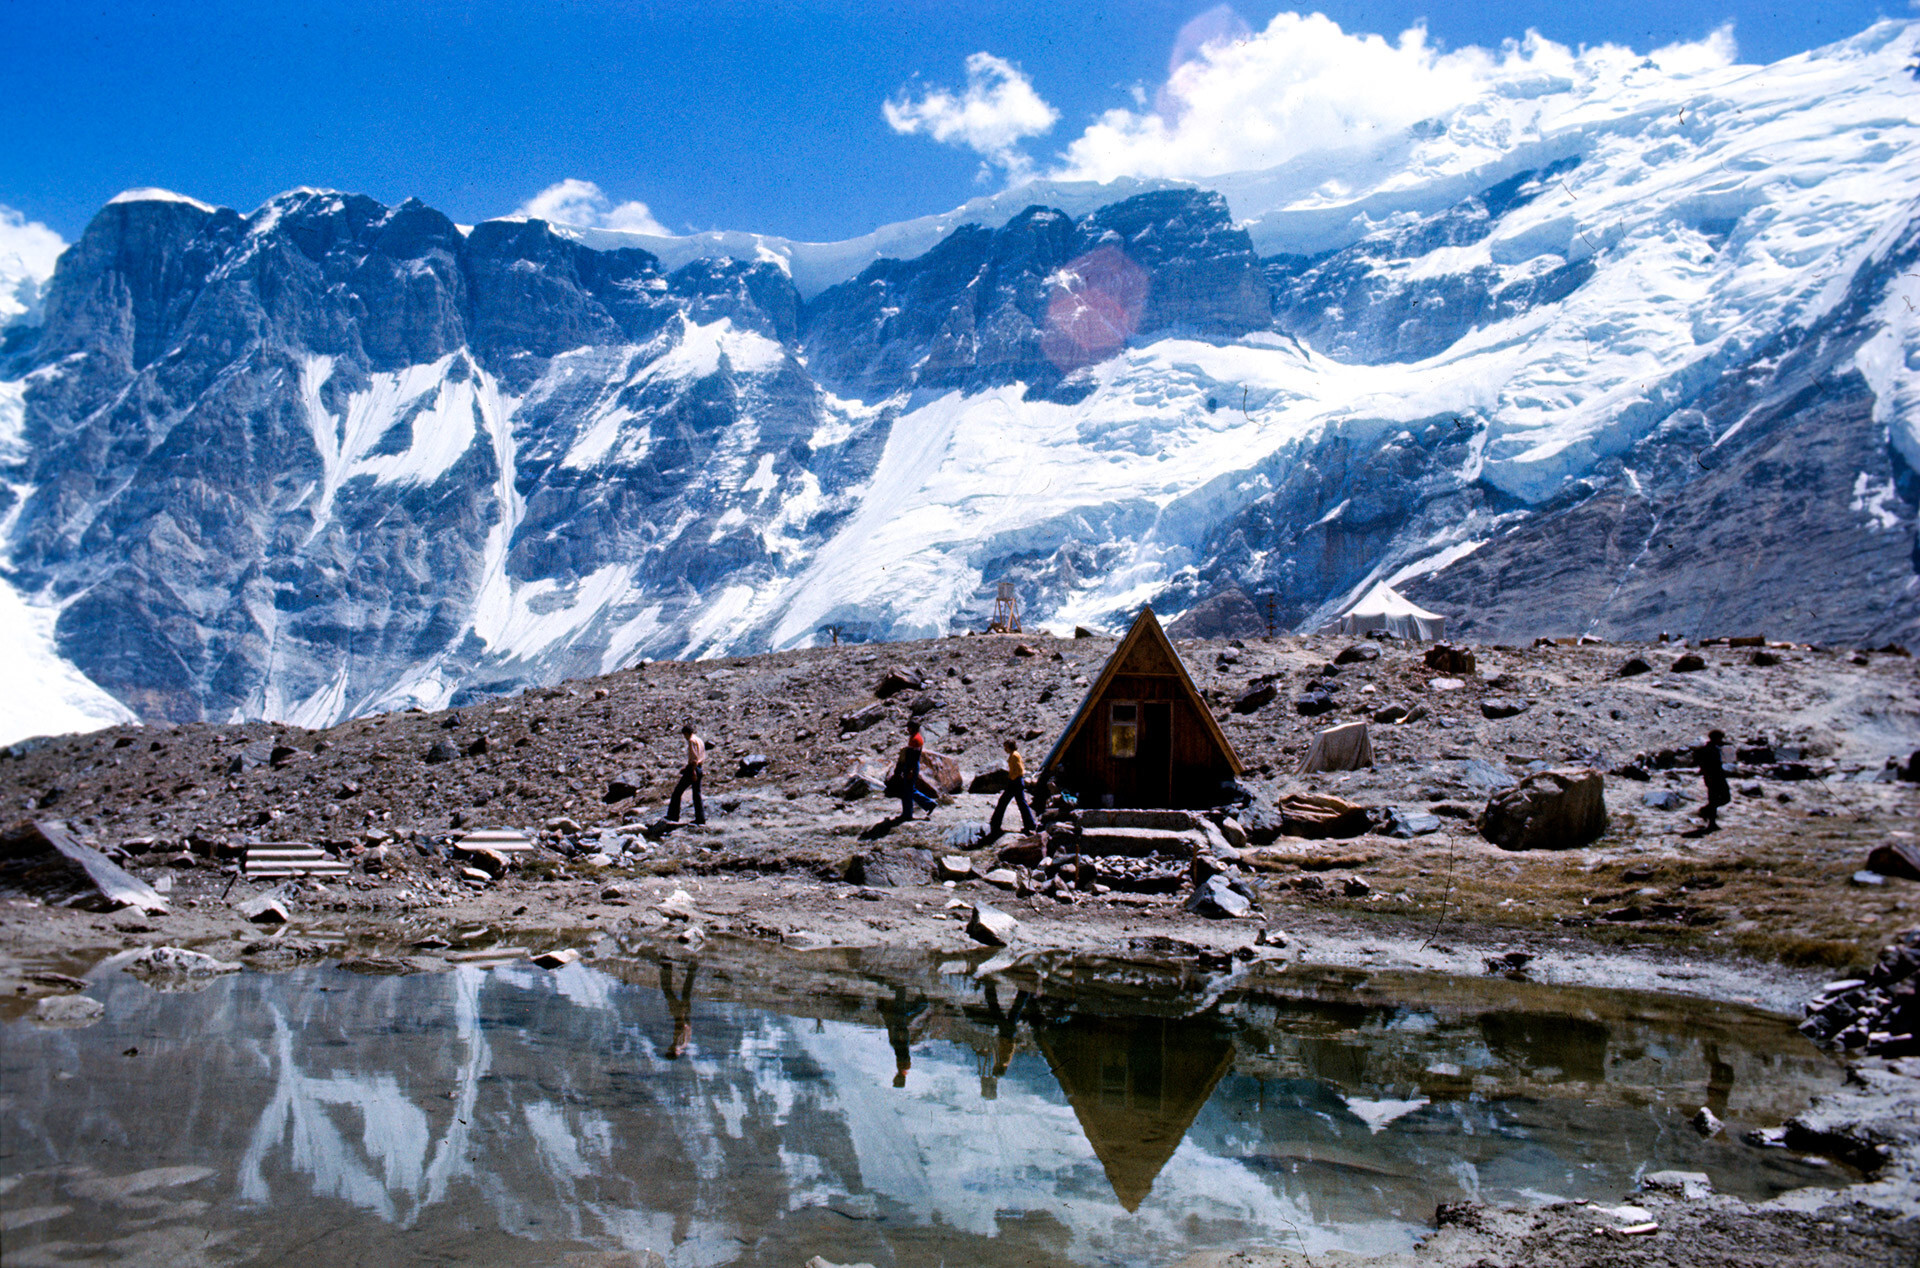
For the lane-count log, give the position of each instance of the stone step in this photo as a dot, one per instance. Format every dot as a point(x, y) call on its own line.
point(281, 859)
point(1138, 841)
point(1159, 820)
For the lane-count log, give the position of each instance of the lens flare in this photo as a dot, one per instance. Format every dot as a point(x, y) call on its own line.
point(1094, 308)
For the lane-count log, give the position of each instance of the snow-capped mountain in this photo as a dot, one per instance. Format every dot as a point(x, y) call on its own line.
point(1618, 347)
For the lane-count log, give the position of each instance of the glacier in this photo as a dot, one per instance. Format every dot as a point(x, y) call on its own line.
point(1618, 346)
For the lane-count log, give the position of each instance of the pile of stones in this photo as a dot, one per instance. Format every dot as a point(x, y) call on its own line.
point(1879, 1013)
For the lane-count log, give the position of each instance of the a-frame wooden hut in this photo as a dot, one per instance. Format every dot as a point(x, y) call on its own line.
point(1136, 1084)
point(1143, 736)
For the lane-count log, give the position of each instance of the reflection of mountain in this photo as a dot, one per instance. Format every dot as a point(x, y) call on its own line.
point(1135, 1084)
point(474, 1115)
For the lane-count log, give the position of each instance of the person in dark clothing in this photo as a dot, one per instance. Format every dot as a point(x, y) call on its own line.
point(907, 771)
point(1016, 791)
point(1714, 775)
point(1006, 1027)
point(901, 1013)
point(690, 778)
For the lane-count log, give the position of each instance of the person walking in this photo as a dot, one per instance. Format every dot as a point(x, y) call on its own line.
point(690, 777)
point(907, 771)
point(1714, 775)
point(1016, 791)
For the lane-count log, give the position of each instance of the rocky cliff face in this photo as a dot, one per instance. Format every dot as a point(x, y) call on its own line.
point(335, 457)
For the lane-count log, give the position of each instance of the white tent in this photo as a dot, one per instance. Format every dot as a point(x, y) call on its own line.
point(1384, 608)
point(1345, 747)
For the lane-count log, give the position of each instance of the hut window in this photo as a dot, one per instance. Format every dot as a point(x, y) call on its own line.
point(1123, 730)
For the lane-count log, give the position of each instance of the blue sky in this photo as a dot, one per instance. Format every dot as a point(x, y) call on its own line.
point(712, 115)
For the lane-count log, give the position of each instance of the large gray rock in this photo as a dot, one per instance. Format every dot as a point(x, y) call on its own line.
point(890, 868)
point(1548, 810)
point(990, 925)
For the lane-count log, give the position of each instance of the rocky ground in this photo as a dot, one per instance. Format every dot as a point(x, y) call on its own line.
point(1761, 911)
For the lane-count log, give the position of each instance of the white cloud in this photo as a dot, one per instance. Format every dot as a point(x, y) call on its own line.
point(28, 250)
point(1243, 101)
point(583, 203)
point(998, 110)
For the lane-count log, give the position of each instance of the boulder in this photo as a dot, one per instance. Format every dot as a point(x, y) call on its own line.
point(1255, 698)
point(622, 786)
point(484, 857)
point(942, 773)
point(898, 678)
point(1217, 899)
point(1445, 658)
point(890, 868)
point(862, 779)
point(1357, 654)
point(1312, 704)
point(1392, 713)
point(178, 962)
point(862, 718)
point(440, 751)
point(965, 834)
point(267, 909)
point(1764, 659)
point(1896, 858)
point(1633, 667)
point(1548, 810)
point(1321, 816)
point(956, 867)
point(1231, 829)
point(1081, 631)
point(1662, 799)
point(990, 925)
point(1024, 852)
point(1407, 824)
point(1497, 707)
point(753, 764)
point(556, 959)
point(1002, 878)
point(1689, 663)
point(991, 782)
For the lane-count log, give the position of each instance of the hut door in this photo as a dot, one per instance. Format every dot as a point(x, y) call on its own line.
point(1155, 778)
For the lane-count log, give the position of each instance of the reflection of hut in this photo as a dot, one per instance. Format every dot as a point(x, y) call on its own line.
point(1143, 736)
point(1136, 1084)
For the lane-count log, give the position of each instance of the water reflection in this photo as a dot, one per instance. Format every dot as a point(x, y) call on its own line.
point(862, 1108)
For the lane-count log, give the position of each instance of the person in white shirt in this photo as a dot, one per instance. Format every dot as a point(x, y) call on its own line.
point(690, 777)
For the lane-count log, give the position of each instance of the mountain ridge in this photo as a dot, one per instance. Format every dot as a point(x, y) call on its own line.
point(333, 457)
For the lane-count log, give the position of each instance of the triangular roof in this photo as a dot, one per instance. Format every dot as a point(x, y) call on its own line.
point(1146, 639)
point(1136, 1084)
point(1384, 600)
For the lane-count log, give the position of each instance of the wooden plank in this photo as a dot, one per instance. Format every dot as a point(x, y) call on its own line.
point(117, 886)
point(504, 840)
